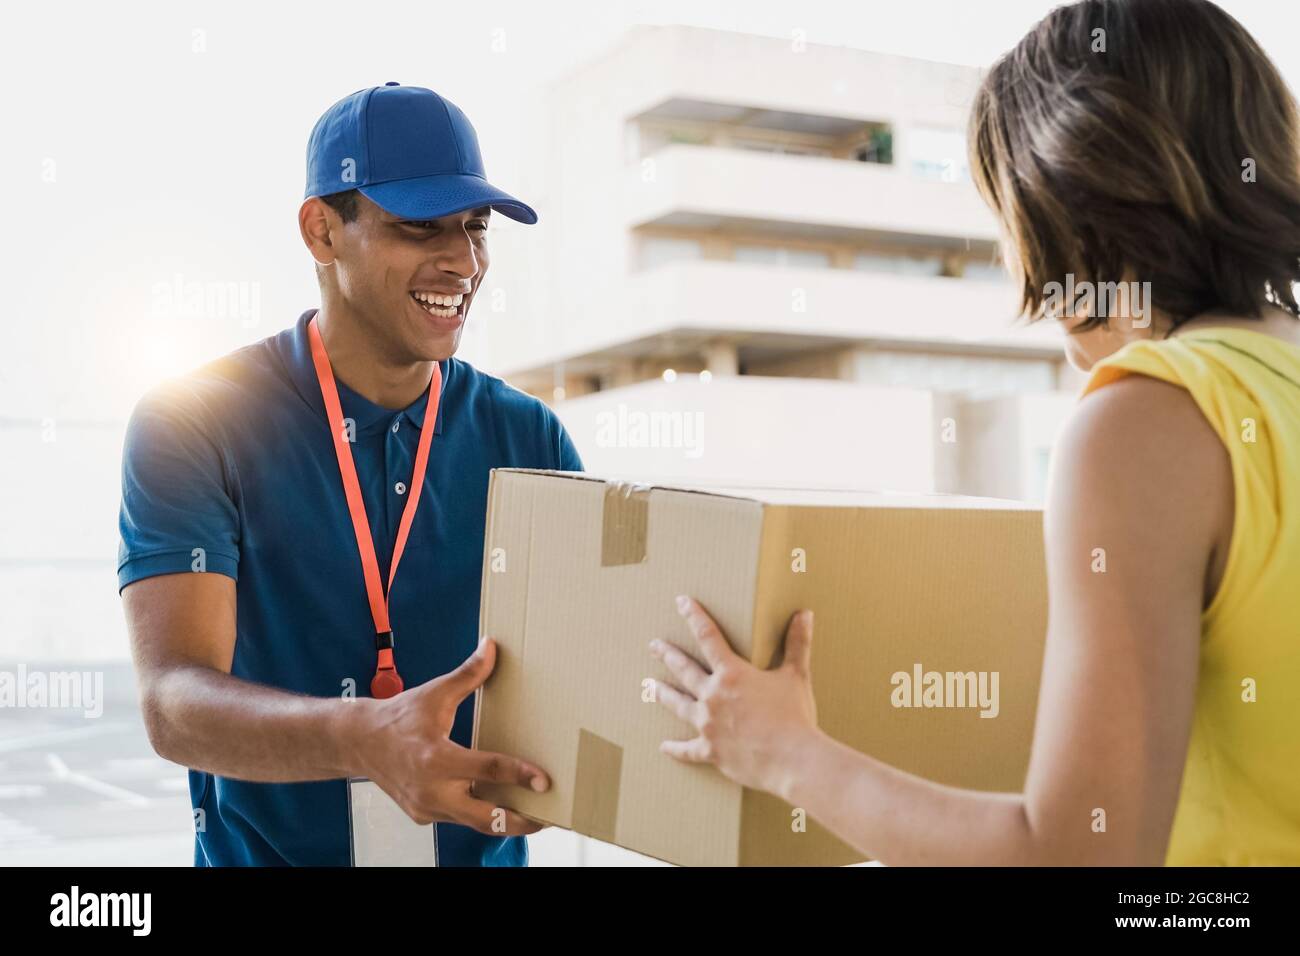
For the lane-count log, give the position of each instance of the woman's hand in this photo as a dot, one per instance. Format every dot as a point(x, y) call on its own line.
point(753, 724)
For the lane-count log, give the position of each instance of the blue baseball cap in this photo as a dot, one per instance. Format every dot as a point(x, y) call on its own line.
point(408, 150)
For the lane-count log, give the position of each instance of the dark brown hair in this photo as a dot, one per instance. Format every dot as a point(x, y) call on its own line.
point(1128, 154)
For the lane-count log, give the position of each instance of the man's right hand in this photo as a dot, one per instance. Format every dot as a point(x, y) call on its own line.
point(407, 750)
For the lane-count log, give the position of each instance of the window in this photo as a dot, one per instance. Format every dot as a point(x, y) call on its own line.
point(898, 265)
point(658, 250)
point(782, 257)
point(984, 272)
point(938, 155)
point(776, 146)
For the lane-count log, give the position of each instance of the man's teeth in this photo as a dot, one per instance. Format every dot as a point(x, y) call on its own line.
point(443, 306)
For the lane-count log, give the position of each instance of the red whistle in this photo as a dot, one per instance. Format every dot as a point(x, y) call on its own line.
point(386, 683)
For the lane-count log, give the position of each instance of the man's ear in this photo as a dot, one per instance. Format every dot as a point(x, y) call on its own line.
point(317, 222)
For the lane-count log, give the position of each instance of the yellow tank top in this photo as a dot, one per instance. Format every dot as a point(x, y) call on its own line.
point(1240, 798)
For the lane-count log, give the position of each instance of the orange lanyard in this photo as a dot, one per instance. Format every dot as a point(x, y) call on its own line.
point(386, 682)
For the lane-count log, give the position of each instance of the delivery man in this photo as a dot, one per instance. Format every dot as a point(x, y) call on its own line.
point(302, 520)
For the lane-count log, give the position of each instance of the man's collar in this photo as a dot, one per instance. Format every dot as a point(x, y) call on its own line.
point(368, 416)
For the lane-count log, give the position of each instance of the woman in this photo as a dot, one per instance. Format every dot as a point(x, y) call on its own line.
point(1162, 150)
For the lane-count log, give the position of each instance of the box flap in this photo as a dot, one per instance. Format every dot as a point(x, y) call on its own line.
point(809, 496)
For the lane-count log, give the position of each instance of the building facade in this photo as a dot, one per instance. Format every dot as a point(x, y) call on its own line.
point(764, 261)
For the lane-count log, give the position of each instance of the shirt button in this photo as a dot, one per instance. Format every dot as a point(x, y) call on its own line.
point(395, 424)
point(400, 488)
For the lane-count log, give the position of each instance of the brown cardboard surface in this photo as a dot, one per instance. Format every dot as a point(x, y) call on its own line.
point(950, 584)
point(595, 786)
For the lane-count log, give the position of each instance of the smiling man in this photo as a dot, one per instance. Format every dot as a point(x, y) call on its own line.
point(302, 520)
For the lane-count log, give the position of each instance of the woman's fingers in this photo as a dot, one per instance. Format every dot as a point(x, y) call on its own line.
point(798, 643)
point(696, 750)
point(717, 652)
point(680, 704)
point(685, 668)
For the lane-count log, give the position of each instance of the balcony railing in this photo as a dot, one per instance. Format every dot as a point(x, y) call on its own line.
point(685, 184)
point(841, 304)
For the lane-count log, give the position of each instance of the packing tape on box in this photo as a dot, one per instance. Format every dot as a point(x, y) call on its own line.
point(596, 785)
point(623, 529)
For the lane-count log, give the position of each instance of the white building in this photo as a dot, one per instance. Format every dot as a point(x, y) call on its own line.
point(764, 261)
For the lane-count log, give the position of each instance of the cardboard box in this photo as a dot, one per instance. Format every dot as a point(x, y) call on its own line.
point(579, 574)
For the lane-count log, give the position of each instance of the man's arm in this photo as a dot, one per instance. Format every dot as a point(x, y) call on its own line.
point(182, 630)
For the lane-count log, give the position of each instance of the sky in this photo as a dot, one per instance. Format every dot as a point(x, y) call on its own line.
point(162, 149)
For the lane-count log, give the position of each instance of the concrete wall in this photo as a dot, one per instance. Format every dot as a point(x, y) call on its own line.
point(750, 430)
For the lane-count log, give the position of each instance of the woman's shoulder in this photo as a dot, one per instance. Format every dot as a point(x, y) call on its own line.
point(1143, 414)
point(1142, 439)
point(1138, 470)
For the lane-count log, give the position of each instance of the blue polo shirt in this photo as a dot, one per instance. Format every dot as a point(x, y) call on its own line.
point(236, 459)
